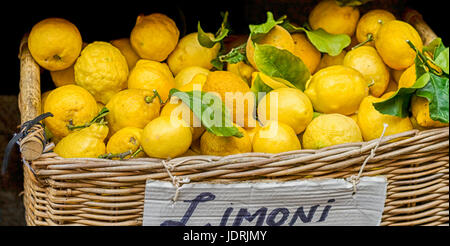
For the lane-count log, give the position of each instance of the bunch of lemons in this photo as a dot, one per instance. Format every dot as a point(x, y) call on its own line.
point(132, 78)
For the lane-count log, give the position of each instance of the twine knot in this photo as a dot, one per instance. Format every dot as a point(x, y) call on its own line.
point(176, 181)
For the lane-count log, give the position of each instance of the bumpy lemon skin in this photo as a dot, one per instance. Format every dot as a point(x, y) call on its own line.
point(371, 121)
point(154, 36)
point(366, 60)
point(392, 46)
point(131, 108)
point(124, 45)
point(152, 75)
point(68, 104)
point(102, 70)
point(166, 137)
point(292, 107)
point(55, 43)
point(337, 89)
point(126, 139)
point(85, 143)
point(211, 144)
point(333, 18)
point(370, 23)
point(277, 37)
point(190, 53)
point(330, 129)
point(275, 137)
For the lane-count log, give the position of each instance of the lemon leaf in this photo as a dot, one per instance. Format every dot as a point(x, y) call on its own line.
point(258, 31)
point(442, 60)
point(210, 109)
point(259, 88)
point(278, 63)
point(436, 92)
point(235, 55)
point(223, 31)
point(352, 3)
point(325, 42)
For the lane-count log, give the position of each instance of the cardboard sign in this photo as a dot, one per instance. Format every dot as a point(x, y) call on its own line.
point(327, 202)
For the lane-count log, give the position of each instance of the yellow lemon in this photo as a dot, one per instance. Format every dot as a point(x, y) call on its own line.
point(132, 107)
point(337, 89)
point(370, 23)
point(176, 108)
point(366, 60)
point(275, 137)
point(190, 53)
point(331, 129)
point(354, 117)
point(253, 130)
point(124, 45)
point(186, 75)
point(69, 104)
point(328, 60)
point(102, 70)
point(392, 46)
point(408, 77)
point(55, 43)
point(420, 108)
point(397, 74)
point(124, 140)
point(152, 75)
point(371, 121)
point(277, 37)
point(65, 76)
point(306, 51)
point(333, 18)
point(100, 106)
point(166, 137)
point(211, 144)
point(154, 36)
point(287, 105)
point(235, 94)
point(392, 86)
point(85, 143)
point(242, 69)
point(196, 84)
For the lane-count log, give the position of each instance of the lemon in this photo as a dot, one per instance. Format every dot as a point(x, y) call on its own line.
point(102, 70)
point(287, 105)
point(85, 143)
point(186, 75)
point(154, 36)
point(337, 89)
point(371, 121)
point(397, 74)
point(328, 60)
point(55, 43)
point(100, 106)
point(277, 37)
point(182, 111)
point(124, 45)
point(242, 69)
point(333, 18)
point(392, 86)
point(132, 108)
point(420, 108)
point(392, 46)
point(408, 77)
point(235, 94)
point(190, 53)
point(126, 139)
point(354, 117)
point(166, 137)
point(152, 75)
point(275, 137)
point(366, 60)
point(370, 23)
point(211, 144)
point(69, 104)
point(63, 77)
point(331, 129)
point(252, 131)
point(306, 51)
point(196, 84)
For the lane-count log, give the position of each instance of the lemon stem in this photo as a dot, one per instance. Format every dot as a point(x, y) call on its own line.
point(369, 39)
point(428, 62)
point(97, 119)
point(119, 155)
point(139, 150)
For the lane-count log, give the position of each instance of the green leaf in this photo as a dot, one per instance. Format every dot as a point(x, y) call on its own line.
point(291, 28)
point(211, 110)
point(281, 64)
point(206, 41)
point(436, 91)
point(398, 104)
point(258, 31)
point(352, 3)
point(259, 88)
point(235, 55)
point(325, 42)
point(217, 63)
point(442, 60)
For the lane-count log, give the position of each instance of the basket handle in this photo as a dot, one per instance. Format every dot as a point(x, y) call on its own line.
point(414, 18)
point(29, 101)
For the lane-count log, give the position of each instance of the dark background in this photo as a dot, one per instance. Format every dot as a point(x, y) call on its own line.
point(107, 20)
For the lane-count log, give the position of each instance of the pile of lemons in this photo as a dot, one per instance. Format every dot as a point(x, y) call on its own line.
point(132, 78)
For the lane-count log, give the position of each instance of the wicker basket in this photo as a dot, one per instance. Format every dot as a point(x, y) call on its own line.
point(59, 191)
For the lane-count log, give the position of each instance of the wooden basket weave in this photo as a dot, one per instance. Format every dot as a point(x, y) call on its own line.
point(60, 191)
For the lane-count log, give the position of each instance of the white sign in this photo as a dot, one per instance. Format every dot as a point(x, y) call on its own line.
point(327, 202)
